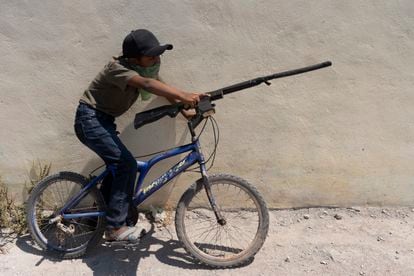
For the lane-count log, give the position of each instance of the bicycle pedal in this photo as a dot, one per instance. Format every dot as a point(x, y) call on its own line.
point(127, 244)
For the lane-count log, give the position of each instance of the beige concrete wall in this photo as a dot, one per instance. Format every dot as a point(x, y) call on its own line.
point(339, 136)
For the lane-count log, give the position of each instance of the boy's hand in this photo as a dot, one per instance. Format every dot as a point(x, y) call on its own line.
point(188, 114)
point(192, 98)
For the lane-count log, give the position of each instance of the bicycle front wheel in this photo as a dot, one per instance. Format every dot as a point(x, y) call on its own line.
point(243, 233)
point(66, 238)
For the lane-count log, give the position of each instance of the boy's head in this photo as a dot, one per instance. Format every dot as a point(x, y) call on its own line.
point(144, 46)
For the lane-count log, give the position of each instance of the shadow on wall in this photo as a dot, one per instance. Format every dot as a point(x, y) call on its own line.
point(150, 138)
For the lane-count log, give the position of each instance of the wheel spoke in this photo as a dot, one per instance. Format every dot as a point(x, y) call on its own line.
point(48, 198)
point(239, 205)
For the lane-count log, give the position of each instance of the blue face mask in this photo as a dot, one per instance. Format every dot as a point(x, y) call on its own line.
point(146, 72)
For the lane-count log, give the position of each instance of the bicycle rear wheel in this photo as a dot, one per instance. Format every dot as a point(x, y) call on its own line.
point(246, 222)
point(66, 238)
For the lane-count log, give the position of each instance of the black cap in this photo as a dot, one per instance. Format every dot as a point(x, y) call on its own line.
point(143, 43)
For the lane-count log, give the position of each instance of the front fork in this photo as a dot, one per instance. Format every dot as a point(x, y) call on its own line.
point(204, 179)
point(220, 219)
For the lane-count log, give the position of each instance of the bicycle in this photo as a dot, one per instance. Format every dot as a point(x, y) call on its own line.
point(221, 220)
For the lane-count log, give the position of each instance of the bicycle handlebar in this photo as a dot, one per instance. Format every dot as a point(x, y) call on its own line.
point(205, 105)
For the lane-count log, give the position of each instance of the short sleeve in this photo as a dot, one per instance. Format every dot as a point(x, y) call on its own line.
point(118, 74)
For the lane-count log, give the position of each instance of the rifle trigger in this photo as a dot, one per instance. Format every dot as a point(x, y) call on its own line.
point(268, 82)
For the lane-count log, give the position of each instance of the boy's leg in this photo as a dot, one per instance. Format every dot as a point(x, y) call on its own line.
point(99, 134)
point(105, 188)
point(122, 187)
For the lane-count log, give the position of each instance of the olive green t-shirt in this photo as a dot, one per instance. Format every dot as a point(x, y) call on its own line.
point(109, 92)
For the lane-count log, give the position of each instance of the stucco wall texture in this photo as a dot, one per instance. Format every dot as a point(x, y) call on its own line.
point(339, 136)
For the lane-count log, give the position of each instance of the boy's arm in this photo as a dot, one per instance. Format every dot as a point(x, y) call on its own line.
point(161, 89)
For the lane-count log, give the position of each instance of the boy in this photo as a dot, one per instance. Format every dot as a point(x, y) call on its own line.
point(110, 94)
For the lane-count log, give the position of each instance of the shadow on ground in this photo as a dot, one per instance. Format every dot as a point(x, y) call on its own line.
point(119, 260)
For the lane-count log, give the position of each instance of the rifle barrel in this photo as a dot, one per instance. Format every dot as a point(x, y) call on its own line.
point(218, 94)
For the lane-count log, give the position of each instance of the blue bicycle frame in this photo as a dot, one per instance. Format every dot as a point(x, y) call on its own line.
point(140, 195)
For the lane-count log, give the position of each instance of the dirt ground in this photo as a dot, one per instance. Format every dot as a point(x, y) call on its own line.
point(316, 241)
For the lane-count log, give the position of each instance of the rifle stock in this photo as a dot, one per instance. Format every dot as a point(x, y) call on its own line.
point(155, 114)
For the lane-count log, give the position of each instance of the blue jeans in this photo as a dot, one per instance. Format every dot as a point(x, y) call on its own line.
point(97, 130)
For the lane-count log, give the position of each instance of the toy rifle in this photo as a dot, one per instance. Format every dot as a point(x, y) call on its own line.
point(205, 107)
